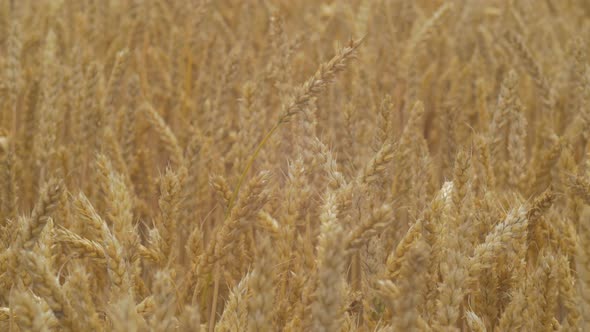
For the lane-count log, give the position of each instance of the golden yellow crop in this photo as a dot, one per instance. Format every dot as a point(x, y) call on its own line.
point(232, 165)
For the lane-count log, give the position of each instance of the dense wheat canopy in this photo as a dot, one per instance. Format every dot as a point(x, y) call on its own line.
point(278, 165)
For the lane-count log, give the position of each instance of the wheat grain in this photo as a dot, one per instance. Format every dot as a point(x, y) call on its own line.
point(438, 183)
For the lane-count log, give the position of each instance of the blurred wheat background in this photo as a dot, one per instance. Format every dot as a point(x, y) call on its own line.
point(362, 165)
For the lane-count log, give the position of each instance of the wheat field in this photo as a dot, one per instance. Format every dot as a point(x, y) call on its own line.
point(278, 165)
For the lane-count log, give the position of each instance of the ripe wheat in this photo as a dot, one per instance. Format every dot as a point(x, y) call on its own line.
point(362, 165)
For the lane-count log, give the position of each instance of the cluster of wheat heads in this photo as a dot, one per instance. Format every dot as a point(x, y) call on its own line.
point(227, 165)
